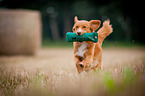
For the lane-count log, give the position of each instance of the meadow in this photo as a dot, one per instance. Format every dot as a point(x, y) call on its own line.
point(52, 72)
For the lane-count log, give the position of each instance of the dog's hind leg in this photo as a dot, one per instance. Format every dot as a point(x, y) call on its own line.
point(97, 59)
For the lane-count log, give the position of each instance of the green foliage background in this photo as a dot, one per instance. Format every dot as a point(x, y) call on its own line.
point(125, 18)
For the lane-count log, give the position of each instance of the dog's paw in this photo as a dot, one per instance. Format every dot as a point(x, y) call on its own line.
point(81, 64)
point(94, 66)
point(82, 73)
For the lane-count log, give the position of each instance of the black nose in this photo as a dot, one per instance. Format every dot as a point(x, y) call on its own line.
point(79, 33)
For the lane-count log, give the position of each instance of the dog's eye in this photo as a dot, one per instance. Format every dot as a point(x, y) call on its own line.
point(77, 26)
point(84, 26)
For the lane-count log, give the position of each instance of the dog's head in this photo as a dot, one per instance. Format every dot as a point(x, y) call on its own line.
point(82, 26)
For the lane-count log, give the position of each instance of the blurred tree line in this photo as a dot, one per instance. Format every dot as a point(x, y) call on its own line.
point(58, 15)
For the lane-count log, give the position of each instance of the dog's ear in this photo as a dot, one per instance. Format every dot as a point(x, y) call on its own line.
point(76, 19)
point(95, 24)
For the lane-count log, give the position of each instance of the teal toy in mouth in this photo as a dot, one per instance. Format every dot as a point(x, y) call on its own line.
point(73, 37)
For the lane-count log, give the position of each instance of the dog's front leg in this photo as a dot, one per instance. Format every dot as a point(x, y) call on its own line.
point(78, 59)
point(79, 64)
point(87, 62)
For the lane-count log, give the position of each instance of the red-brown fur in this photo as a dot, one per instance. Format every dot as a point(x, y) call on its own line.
point(88, 55)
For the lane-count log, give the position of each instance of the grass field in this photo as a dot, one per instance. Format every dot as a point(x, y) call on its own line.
point(52, 72)
point(106, 44)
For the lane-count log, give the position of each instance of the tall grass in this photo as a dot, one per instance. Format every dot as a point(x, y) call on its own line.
point(53, 73)
point(55, 84)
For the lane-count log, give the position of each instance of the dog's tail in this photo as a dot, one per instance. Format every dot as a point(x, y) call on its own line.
point(105, 30)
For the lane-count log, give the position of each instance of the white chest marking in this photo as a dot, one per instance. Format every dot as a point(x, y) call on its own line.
point(82, 49)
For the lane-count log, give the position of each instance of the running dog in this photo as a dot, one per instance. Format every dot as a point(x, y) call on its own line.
point(87, 54)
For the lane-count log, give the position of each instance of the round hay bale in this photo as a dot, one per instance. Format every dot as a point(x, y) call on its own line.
point(20, 32)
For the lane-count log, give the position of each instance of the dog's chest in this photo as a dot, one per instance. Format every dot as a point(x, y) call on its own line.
point(82, 49)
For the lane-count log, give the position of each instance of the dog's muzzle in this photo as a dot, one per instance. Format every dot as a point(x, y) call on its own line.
point(79, 33)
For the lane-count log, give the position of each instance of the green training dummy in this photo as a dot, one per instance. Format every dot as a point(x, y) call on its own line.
point(73, 37)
